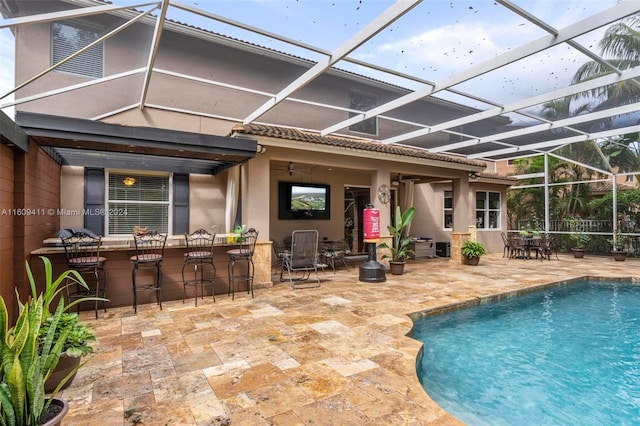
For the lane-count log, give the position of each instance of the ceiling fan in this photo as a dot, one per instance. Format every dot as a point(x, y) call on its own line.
point(291, 170)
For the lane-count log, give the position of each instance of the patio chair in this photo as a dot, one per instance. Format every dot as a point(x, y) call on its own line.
point(83, 255)
point(518, 248)
point(548, 247)
point(335, 254)
point(506, 252)
point(280, 252)
point(242, 257)
point(199, 254)
point(303, 258)
point(149, 255)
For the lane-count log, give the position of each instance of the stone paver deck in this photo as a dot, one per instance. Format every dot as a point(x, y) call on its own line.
point(334, 355)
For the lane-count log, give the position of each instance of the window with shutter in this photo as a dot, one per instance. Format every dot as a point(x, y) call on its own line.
point(138, 200)
point(67, 38)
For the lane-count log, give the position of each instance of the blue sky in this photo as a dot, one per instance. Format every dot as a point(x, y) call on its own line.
point(435, 40)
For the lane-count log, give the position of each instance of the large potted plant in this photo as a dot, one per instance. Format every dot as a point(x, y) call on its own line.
point(78, 336)
point(577, 236)
point(400, 249)
point(618, 246)
point(27, 361)
point(76, 345)
point(472, 250)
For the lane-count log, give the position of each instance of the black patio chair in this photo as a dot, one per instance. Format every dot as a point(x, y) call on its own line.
point(303, 259)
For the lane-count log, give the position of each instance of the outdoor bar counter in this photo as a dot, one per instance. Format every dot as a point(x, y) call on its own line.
point(118, 251)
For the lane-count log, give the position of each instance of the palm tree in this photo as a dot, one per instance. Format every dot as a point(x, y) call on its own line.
point(621, 42)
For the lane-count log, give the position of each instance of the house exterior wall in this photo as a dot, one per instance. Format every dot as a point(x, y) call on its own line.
point(40, 181)
point(179, 53)
point(34, 204)
point(7, 227)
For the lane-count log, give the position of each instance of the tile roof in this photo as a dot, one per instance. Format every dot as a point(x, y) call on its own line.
point(350, 143)
point(607, 187)
point(494, 176)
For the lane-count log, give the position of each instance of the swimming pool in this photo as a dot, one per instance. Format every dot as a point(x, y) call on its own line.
point(567, 355)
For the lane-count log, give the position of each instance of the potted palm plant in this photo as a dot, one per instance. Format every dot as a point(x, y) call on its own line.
point(400, 249)
point(472, 250)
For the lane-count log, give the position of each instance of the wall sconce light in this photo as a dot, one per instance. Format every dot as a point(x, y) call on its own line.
point(129, 181)
point(473, 175)
point(260, 149)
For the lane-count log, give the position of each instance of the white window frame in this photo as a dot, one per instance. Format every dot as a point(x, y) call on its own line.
point(111, 211)
point(486, 211)
point(448, 194)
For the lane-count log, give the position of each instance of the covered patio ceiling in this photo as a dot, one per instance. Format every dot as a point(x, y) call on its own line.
point(547, 50)
point(78, 142)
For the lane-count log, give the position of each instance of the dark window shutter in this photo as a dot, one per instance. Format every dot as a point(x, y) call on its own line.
point(94, 200)
point(180, 203)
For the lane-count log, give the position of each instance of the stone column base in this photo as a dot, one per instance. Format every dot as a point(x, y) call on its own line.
point(457, 240)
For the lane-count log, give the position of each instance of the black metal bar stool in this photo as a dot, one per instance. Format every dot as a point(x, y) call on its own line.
point(83, 255)
point(199, 254)
point(244, 256)
point(149, 255)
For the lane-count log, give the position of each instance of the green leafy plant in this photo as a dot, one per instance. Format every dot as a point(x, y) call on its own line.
point(79, 335)
point(473, 249)
point(27, 362)
point(577, 234)
point(618, 241)
point(30, 349)
point(400, 249)
point(77, 342)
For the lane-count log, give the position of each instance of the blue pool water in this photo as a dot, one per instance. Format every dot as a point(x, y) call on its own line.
point(569, 355)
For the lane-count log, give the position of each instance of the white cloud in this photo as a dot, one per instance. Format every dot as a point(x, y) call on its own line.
point(450, 47)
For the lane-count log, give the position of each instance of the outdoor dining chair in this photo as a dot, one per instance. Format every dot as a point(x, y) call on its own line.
point(506, 252)
point(334, 254)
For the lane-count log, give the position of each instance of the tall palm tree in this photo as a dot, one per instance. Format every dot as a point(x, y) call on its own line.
point(621, 43)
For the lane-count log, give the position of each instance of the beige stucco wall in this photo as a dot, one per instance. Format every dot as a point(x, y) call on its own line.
point(71, 196)
point(129, 50)
point(207, 196)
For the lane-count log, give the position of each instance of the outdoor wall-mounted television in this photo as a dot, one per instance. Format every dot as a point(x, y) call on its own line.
point(304, 201)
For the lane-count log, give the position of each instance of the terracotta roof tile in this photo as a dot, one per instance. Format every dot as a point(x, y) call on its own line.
point(489, 175)
point(343, 142)
point(606, 187)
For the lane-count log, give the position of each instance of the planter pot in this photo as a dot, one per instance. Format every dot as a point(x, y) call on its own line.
point(619, 255)
point(65, 365)
point(397, 268)
point(55, 413)
point(577, 253)
point(473, 261)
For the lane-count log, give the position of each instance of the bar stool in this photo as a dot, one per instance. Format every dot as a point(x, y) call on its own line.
point(199, 253)
point(83, 255)
point(244, 256)
point(149, 255)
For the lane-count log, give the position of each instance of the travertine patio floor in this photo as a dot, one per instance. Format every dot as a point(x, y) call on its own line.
point(334, 355)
